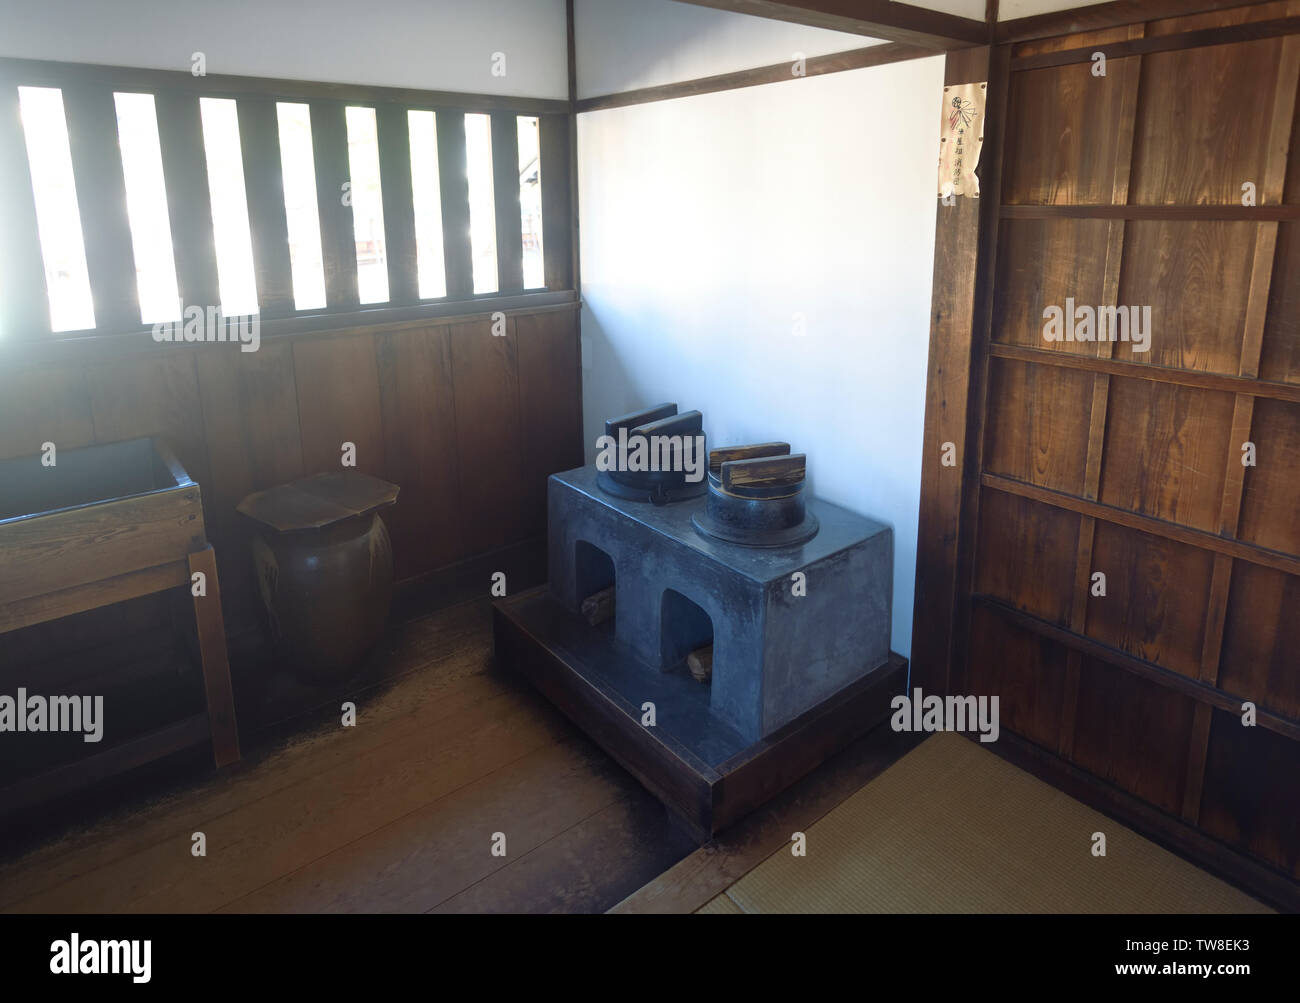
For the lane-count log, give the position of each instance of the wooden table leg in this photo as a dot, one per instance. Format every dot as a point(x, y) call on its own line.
point(215, 661)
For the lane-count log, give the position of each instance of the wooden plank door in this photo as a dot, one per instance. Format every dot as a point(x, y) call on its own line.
point(1170, 467)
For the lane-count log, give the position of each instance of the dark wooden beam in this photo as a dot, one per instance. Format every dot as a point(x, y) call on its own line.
point(259, 143)
point(329, 140)
point(399, 207)
point(1247, 32)
point(1106, 15)
point(1170, 213)
point(101, 200)
point(558, 226)
point(897, 22)
point(571, 192)
point(189, 203)
point(51, 73)
point(1150, 671)
point(854, 59)
point(990, 175)
point(953, 312)
point(1200, 379)
point(505, 194)
point(22, 271)
point(453, 182)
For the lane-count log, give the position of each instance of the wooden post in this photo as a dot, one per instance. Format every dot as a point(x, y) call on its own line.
point(952, 326)
point(211, 629)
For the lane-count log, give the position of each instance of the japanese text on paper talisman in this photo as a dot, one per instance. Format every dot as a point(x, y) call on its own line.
point(961, 138)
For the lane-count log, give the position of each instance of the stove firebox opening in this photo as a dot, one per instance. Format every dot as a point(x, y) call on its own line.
point(594, 571)
point(686, 636)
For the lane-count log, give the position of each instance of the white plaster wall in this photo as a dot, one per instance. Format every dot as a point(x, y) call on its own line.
point(427, 44)
point(708, 223)
point(623, 45)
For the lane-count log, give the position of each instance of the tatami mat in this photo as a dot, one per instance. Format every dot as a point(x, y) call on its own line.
point(951, 827)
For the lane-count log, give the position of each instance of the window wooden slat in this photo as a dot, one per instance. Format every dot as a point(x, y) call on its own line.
point(259, 141)
point(329, 133)
point(399, 212)
point(101, 196)
point(189, 206)
point(505, 193)
point(454, 181)
point(23, 296)
point(557, 224)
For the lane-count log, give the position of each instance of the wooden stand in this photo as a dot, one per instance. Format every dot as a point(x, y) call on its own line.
point(76, 555)
point(707, 780)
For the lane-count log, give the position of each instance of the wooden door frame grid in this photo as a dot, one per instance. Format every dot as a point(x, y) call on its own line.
point(952, 674)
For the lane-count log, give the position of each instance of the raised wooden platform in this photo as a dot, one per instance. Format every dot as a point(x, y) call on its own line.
point(692, 761)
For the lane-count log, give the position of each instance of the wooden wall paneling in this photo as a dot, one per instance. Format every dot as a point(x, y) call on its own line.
point(952, 321)
point(1280, 361)
point(453, 181)
point(488, 433)
point(558, 247)
point(1064, 147)
point(1125, 89)
point(1251, 789)
point(329, 139)
point(550, 404)
point(337, 383)
point(22, 271)
point(259, 143)
point(1015, 534)
point(101, 201)
point(154, 393)
point(505, 193)
point(189, 203)
point(1043, 263)
point(1202, 556)
point(1165, 451)
point(1260, 638)
point(399, 213)
point(1195, 277)
point(1268, 505)
point(1035, 433)
point(1273, 171)
point(250, 418)
point(43, 403)
point(1026, 672)
point(1133, 733)
point(1157, 592)
point(417, 401)
point(1204, 157)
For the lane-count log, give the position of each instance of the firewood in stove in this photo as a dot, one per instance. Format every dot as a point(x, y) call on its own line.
point(700, 662)
point(599, 606)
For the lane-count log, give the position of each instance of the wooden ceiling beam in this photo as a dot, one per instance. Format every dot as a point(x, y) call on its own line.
point(1105, 15)
point(896, 22)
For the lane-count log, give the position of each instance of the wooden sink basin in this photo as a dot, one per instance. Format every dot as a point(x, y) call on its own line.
point(98, 512)
point(87, 476)
point(102, 525)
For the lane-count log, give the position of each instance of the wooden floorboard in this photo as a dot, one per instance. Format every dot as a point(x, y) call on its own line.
point(588, 867)
point(454, 678)
point(424, 858)
point(396, 814)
